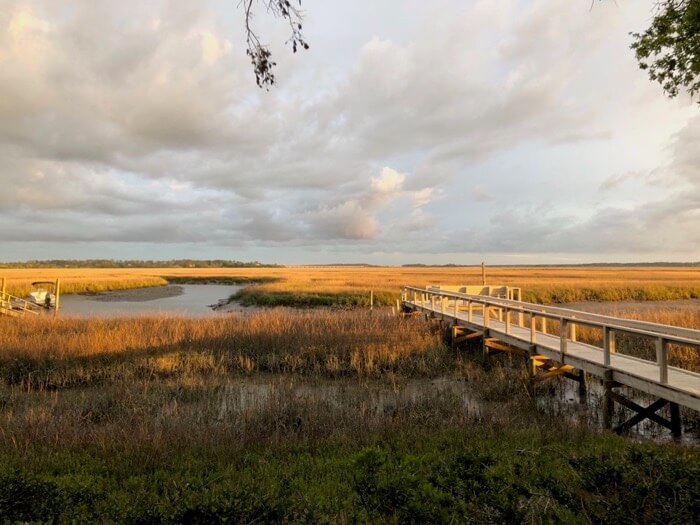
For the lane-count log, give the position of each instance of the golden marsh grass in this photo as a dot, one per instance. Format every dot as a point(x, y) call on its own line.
point(176, 381)
point(539, 284)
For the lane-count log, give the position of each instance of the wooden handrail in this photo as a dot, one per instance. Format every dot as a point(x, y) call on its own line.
point(674, 334)
point(568, 320)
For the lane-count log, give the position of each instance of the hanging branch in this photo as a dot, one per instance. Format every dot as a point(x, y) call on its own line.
point(260, 55)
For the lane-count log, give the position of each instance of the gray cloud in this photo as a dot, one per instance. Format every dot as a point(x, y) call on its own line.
point(138, 122)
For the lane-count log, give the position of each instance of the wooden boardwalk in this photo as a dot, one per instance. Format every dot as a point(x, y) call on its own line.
point(549, 336)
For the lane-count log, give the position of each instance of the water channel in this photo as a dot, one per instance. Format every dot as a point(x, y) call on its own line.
point(188, 300)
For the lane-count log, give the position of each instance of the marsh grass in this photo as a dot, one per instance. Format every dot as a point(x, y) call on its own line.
point(297, 416)
point(219, 279)
point(60, 353)
point(256, 296)
point(89, 285)
point(272, 376)
point(298, 286)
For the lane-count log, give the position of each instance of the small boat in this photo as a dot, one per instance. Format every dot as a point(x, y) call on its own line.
point(43, 294)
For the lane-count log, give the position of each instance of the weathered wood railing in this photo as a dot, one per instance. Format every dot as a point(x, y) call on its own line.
point(441, 302)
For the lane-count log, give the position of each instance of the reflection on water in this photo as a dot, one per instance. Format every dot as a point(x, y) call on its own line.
point(191, 300)
point(369, 399)
point(444, 398)
point(561, 398)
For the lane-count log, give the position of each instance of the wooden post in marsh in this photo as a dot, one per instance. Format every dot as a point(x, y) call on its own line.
point(483, 273)
point(608, 403)
point(676, 422)
point(371, 301)
point(582, 385)
point(57, 291)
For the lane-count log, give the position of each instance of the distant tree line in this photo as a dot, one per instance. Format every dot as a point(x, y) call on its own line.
point(112, 263)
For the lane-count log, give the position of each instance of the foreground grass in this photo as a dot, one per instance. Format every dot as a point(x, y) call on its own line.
point(351, 286)
point(471, 476)
point(293, 416)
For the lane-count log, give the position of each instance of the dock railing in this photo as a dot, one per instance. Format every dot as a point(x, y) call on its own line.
point(569, 320)
point(16, 306)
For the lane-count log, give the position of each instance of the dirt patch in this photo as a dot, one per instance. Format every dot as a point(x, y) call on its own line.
point(234, 307)
point(138, 295)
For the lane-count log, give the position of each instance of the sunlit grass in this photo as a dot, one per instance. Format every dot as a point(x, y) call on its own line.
point(352, 285)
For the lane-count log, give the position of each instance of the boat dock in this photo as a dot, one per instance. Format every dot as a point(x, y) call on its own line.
point(12, 306)
point(548, 337)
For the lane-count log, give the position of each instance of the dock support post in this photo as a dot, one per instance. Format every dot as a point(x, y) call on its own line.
point(582, 382)
point(676, 422)
point(608, 403)
point(532, 373)
point(58, 298)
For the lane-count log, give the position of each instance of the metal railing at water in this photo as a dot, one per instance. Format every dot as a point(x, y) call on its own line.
point(16, 306)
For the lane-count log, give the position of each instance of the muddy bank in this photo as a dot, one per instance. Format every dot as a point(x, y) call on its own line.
point(136, 295)
point(183, 300)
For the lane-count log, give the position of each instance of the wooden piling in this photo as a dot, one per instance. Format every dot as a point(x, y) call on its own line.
point(608, 402)
point(582, 383)
point(676, 422)
point(58, 297)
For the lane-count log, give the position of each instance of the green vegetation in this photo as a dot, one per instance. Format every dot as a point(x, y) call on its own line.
point(670, 48)
point(419, 477)
point(255, 297)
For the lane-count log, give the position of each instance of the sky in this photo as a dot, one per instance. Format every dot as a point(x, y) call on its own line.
point(450, 131)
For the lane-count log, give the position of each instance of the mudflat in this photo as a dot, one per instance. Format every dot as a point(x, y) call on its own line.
point(138, 295)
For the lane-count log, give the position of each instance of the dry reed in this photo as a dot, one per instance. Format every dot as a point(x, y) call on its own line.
point(541, 284)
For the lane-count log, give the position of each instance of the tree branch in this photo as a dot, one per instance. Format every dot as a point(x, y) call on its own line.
point(260, 55)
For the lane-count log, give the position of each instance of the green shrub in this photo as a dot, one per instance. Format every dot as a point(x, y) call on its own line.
point(26, 498)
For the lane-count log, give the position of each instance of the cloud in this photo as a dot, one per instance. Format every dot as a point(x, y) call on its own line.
point(356, 217)
point(487, 122)
point(422, 197)
point(389, 181)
